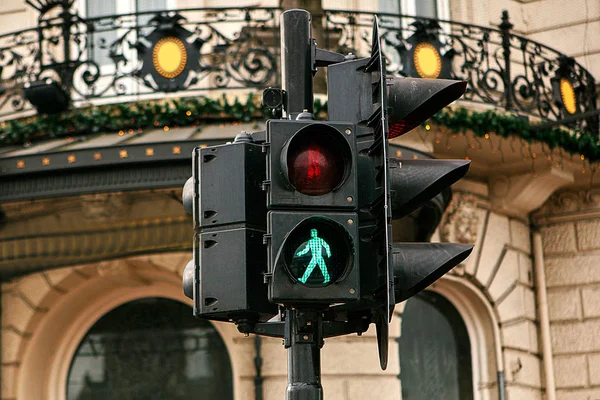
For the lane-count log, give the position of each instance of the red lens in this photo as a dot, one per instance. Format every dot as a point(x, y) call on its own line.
point(315, 165)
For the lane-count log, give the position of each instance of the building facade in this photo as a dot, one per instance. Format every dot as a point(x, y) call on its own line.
point(94, 238)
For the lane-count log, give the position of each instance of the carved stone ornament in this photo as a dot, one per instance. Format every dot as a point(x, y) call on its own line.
point(570, 201)
point(461, 220)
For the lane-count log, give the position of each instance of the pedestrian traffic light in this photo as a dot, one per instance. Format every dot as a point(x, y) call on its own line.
point(312, 221)
point(225, 278)
point(320, 241)
point(389, 188)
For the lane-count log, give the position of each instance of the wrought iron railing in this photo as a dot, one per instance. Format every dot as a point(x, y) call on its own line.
point(112, 56)
point(106, 58)
point(503, 69)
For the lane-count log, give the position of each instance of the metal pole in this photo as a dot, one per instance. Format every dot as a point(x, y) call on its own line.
point(296, 64)
point(258, 362)
point(303, 333)
point(506, 26)
point(304, 339)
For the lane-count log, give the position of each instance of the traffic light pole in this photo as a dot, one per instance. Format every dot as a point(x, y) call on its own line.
point(303, 339)
point(303, 331)
point(296, 62)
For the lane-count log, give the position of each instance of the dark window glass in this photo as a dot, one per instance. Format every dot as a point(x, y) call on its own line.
point(435, 352)
point(151, 349)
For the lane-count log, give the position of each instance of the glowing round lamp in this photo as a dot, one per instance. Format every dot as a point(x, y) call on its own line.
point(567, 94)
point(427, 60)
point(169, 57)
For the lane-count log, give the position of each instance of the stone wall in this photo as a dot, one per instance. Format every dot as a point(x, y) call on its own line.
point(39, 311)
point(500, 268)
point(570, 227)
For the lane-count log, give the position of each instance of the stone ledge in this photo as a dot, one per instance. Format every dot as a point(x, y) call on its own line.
point(584, 394)
point(576, 270)
point(577, 337)
point(519, 195)
point(591, 301)
point(594, 368)
point(564, 304)
point(522, 368)
point(568, 371)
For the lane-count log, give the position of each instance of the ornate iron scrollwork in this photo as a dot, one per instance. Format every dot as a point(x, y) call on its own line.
point(117, 55)
point(503, 69)
point(110, 56)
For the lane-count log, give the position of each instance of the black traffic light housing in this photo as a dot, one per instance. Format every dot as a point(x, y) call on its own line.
point(291, 145)
point(332, 191)
point(389, 188)
point(225, 277)
point(312, 234)
point(290, 235)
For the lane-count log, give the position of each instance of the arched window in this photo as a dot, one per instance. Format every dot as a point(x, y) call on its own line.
point(435, 351)
point(151, 348)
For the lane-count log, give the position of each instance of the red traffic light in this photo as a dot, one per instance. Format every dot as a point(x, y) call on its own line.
point(317, 160)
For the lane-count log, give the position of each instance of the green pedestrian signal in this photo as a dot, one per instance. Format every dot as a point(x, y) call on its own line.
point(317, 252)
point(315, 245)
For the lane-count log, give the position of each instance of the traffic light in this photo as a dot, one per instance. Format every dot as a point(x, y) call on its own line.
point(389, 188)
point(225, 197)
point(312, 236)
point(319, 241)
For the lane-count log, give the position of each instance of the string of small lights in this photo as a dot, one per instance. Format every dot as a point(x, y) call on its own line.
point(138, 116)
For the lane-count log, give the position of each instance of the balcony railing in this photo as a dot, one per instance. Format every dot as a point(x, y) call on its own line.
point(134, 56)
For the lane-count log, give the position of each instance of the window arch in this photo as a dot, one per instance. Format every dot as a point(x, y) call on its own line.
point(150, 348)
point(435, 350)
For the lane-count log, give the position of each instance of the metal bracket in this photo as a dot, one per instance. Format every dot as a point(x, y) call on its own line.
point(323, 58)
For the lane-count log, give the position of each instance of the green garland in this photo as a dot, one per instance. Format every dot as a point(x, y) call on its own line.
point(508, 125)
point(200, 110)
point(140, 115)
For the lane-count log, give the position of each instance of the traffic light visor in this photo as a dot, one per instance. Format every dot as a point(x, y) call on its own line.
point(318, 252)
point(411, 101)
point(316, 160)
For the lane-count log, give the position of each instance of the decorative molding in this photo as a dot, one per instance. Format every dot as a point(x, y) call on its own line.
point(95, 180)
point(461, 221)
point(566, 205)
point(23, 255)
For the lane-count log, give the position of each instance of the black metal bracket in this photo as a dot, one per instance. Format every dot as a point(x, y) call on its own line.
point(323, 58)
point(277, 329)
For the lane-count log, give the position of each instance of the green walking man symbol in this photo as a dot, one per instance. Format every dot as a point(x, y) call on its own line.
point(315, 245)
